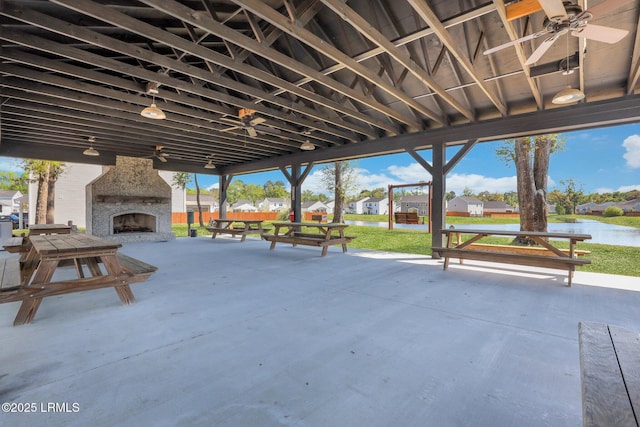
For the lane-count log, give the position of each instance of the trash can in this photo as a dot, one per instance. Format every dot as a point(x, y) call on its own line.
point(193, 232)
point(6, 228)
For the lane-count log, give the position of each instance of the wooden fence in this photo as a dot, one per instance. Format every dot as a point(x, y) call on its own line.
point(181, 217)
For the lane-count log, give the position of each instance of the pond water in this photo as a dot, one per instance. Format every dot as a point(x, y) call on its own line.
point(608, 234)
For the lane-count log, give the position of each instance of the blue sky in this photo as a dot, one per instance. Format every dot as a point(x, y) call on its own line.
point(599, 160)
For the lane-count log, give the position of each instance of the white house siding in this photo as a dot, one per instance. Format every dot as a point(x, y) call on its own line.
point(70, 202)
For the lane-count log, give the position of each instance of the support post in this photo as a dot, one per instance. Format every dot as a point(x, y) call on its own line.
point(223, 186)
point(296, 193)
point(439, 191)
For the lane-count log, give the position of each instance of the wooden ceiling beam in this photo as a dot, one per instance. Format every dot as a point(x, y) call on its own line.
point(427, 14)
point(363, 27)
point(270, 15)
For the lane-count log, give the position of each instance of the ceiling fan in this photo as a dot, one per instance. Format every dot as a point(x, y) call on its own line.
point(249, 123)
point(565, 17)
point(160, 154)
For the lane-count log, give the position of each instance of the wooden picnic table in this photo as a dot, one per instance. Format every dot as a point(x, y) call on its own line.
point(315, 234)
point(235, 227)
point(38, 229)
point(546, 255)
point(86, 252)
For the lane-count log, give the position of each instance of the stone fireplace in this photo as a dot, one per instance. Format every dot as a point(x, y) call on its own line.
point(130, 202)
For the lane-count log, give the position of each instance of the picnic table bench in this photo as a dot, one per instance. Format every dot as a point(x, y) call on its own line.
point(610, 375)
point(235, 227)
point(546, 255)
point(317, 234)
point(29, 278)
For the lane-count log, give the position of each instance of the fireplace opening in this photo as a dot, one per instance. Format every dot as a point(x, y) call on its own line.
point(134, 223)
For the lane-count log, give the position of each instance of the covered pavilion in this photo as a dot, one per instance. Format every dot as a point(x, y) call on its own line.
point(233, 334)
point(248, 85)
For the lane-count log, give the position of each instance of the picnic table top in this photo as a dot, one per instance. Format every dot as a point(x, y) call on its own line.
point(68, 243)
point(247, 221)
point(49, 228)
point(571, 236)
point(311, 224)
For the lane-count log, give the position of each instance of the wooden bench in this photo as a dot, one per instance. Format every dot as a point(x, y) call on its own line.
point(226, 226)
point(310, 240)
point(610, 375)
point(15, 245)
point(140, 269)
point(527, 250)
point(407, 218)
point(10, 274)
point(545, 256)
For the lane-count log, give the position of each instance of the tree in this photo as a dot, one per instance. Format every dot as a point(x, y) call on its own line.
point(14, 181)
point(339, 177)
point(195, 181)
point(572, 194)
point(181, 180)
point(45, 173)
point(531, 157)
point(275, 189)
point(467, 192)
point(450, 195)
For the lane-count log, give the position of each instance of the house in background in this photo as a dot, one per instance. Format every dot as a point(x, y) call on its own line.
point(70, 194)
point(314, 206)
point(356, 207)
point(330, 205)
point(10, 201)
point(243, 206)
point(585, 208)
point(629, 205)
point(417, 203)
point(376, 206)
point(274, 204)
point(497, 207)
point(207, 203)
point(466, 205)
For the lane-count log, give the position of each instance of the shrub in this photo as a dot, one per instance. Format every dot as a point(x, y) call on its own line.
point(612, 211)
point(560, 210)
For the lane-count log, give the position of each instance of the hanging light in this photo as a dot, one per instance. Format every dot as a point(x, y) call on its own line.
point(210, 165)
point(91, 151)
point(152, 111)
point(567, 95)
point(307, 146)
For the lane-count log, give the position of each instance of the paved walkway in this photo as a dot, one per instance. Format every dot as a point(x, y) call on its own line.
point(233, 334)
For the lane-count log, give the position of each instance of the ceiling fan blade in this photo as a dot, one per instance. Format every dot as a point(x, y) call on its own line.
point(252, 132)
point(268, 129)
point(162, 159)
point(231, 128)
point(257, 121)
point(541, 50)
point(513, 42)
point(554, 9)
point(607, 6)
point(600, 33)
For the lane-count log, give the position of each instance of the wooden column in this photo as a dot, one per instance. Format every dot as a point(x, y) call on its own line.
point(224, 181)
point(439, 192)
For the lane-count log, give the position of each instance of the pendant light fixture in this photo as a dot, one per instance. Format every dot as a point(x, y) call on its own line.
point(567, 95)
point(91, 151)
point(307, 146)
point(209, 165)
point(152, 111)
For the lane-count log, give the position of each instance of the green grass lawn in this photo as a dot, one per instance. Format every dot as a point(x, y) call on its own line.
point(622, 260)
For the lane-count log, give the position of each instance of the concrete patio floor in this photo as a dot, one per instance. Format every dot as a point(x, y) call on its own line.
point(233, 334)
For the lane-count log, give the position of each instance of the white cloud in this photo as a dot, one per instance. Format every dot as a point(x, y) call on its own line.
point(632, 147)
point(626, 188)
point(414, 173)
